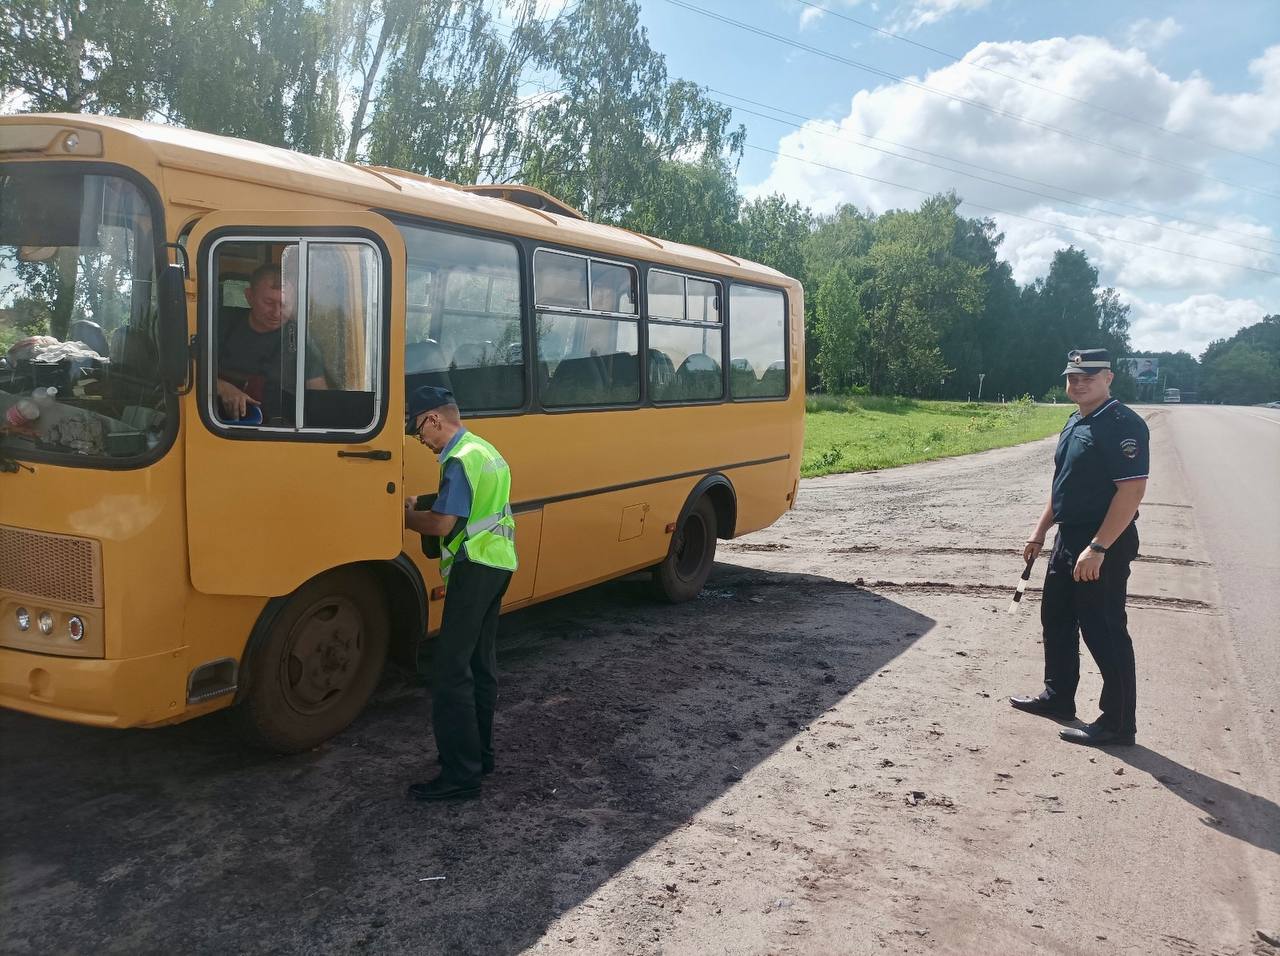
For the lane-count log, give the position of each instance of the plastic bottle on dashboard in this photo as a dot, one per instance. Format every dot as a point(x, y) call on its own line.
point(44, 397)
point(22, 413)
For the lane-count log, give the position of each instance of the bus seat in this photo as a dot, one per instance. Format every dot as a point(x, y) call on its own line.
point(472, 354)
point(424, 356)
point(91, 334)
point(576, 381)
point(774, 380)
point(698, 377)
point(742, 377)
point(623, 373)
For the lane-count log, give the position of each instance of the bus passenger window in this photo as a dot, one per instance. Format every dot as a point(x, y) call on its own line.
point(589, 360)
point(666, 295)
point(463, 329)
point(560, 280)
point(757, 343)
point(613, 288)
point(693, 351)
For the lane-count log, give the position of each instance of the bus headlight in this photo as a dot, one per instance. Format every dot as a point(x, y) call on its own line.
point(46, 622)
point(75, 629)
point(24, 619)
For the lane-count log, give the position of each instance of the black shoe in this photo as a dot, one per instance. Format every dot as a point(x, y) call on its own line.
point(1043, 707)
point(486, 764)
point(441, 789)
point(1093, 735)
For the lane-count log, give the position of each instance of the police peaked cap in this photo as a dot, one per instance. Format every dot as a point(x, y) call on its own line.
point(1087, 361)
point(425, 398)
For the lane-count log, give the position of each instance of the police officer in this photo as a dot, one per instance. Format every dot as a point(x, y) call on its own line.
point(1099, 478)
point(471, 515)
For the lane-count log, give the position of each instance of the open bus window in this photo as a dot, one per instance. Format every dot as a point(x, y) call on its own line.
point(463, 329)
point(757, 343)
point(260, 355)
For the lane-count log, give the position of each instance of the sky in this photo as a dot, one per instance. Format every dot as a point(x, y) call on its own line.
point(1144, 133)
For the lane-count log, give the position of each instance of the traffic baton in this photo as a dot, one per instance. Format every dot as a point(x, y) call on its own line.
point(1022, 586)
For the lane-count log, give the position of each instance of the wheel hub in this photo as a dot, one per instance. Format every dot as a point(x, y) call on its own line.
point(323, 654)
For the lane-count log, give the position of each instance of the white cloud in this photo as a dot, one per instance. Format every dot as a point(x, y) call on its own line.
point(919, 13)
point(1091, 69)
point(1149, 34)
point(810, 16)
point(1189, 324)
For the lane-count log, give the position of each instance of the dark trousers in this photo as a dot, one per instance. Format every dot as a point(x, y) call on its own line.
point(1095, 609)
point(464, 674)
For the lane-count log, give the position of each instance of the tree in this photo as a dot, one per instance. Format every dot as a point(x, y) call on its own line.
point(1242, 375)
point(840, 332)
point(774, 232)
point(696, 203)
point(73, 56)
point(617, 119)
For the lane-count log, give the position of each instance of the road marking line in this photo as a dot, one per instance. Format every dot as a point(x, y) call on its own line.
point(1264, 418)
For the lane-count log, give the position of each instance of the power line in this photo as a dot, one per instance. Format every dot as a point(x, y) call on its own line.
point(1014, 215)
point(995, 111)
point(1035, 86)
point(993, 182)
point(995, 172)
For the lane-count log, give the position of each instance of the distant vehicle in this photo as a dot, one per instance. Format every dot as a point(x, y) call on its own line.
point(1172, 396)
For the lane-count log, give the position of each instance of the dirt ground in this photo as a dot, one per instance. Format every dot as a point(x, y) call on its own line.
point(817, 756)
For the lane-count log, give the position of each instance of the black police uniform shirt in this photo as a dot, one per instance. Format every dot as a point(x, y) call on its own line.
point(1095, 451)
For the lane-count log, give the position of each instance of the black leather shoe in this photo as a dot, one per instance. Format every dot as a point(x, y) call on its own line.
point(1091, 735)
point(441, 789)
point(1043, 707)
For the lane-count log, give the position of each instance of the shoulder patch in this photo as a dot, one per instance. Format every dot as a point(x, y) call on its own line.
point(1129, 448)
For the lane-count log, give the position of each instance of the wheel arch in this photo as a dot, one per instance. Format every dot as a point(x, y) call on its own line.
point(724, 499)
point(402, 589)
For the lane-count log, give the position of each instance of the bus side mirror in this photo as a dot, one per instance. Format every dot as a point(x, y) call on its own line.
point(175, 354)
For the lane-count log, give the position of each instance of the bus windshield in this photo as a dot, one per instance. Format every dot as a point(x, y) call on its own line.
point(79, 371)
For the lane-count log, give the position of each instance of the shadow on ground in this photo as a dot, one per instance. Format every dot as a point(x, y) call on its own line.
point(620, 719)
point(1235, 812)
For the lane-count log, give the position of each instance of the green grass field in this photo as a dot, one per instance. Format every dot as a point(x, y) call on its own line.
point(861, 433)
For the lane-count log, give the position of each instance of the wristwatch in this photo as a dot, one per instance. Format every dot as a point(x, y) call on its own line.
point(1094, 546)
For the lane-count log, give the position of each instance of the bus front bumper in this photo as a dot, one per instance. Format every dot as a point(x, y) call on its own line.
point(133, 692)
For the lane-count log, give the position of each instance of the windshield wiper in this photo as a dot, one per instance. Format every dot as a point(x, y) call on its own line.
point(11, 466)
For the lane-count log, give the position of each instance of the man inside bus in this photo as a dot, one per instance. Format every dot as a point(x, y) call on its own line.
point(257, 354)
point(471, 516)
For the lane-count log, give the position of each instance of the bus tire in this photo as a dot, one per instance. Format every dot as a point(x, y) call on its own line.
point(318, 665)
point(684, 571)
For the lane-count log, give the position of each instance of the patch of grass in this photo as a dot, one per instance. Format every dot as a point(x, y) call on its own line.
point(867, 432)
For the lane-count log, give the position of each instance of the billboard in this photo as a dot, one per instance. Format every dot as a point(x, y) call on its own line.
point(1144, 371)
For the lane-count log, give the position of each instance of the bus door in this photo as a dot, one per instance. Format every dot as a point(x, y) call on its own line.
point(295, 426)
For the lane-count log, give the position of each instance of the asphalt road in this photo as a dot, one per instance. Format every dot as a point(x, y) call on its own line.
point(1230, 458)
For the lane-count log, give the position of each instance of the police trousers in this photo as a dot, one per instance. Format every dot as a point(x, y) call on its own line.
point(464, 673)
point(1096, 610)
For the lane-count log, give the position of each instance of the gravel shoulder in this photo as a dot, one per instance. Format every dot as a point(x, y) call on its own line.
point(815, 757)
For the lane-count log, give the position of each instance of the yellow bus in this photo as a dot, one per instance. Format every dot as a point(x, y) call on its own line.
point(166, 552)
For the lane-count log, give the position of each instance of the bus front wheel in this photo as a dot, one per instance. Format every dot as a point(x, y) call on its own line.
point(318, 665)
point(682, 574)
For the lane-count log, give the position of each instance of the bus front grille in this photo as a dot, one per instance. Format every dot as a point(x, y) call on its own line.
point(57, 567)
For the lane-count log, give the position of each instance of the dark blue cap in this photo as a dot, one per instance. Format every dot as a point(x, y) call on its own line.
point(1087, 361)
point(426, 398)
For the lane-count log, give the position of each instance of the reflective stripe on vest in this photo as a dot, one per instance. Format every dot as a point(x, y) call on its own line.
point(490, 533)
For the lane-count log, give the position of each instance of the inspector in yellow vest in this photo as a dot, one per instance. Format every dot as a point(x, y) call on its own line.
point(489, 537)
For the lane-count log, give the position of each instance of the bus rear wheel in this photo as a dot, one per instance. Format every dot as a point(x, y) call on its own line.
point(318, 665)
point(682, 574)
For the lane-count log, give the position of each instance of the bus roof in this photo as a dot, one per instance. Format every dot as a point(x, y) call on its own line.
point(508, 208)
